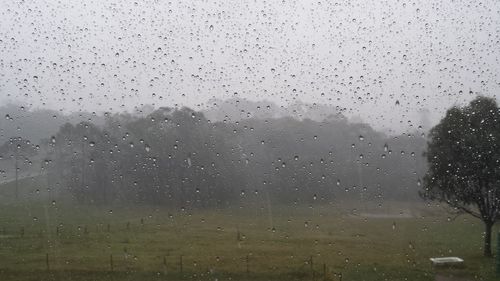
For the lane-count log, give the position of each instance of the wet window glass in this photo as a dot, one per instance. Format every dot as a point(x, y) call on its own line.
point(249, 140)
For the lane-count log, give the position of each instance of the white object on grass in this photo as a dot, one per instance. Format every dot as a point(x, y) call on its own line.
point(447, 261)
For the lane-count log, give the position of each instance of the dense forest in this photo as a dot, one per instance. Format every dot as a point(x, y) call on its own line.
point(199, 159)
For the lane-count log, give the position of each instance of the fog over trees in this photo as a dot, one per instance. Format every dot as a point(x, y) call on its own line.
point(232, 154)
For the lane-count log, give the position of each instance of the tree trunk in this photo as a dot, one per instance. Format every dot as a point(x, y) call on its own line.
point(487, 239)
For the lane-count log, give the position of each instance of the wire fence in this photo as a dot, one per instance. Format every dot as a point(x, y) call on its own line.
point(188, 266)
point(178, 265)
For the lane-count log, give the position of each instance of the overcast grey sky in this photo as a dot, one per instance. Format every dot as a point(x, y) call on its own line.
point(383, 61)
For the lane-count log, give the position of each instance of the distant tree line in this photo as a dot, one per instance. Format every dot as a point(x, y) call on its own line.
point(179, 158)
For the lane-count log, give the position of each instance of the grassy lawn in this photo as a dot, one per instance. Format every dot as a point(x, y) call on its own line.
point(247, 243)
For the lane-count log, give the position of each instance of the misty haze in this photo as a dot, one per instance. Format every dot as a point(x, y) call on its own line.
point(259, 140)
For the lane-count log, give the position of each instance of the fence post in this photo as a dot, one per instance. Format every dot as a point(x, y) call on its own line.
point(498, 255)
point(324, 271)
point(47, 261)
point(165, 264)
point(111, 262)
point(180, 263)
point(247, 260)
point(312, 268)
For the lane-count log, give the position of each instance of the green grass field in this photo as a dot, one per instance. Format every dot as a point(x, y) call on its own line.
point(53, 241)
